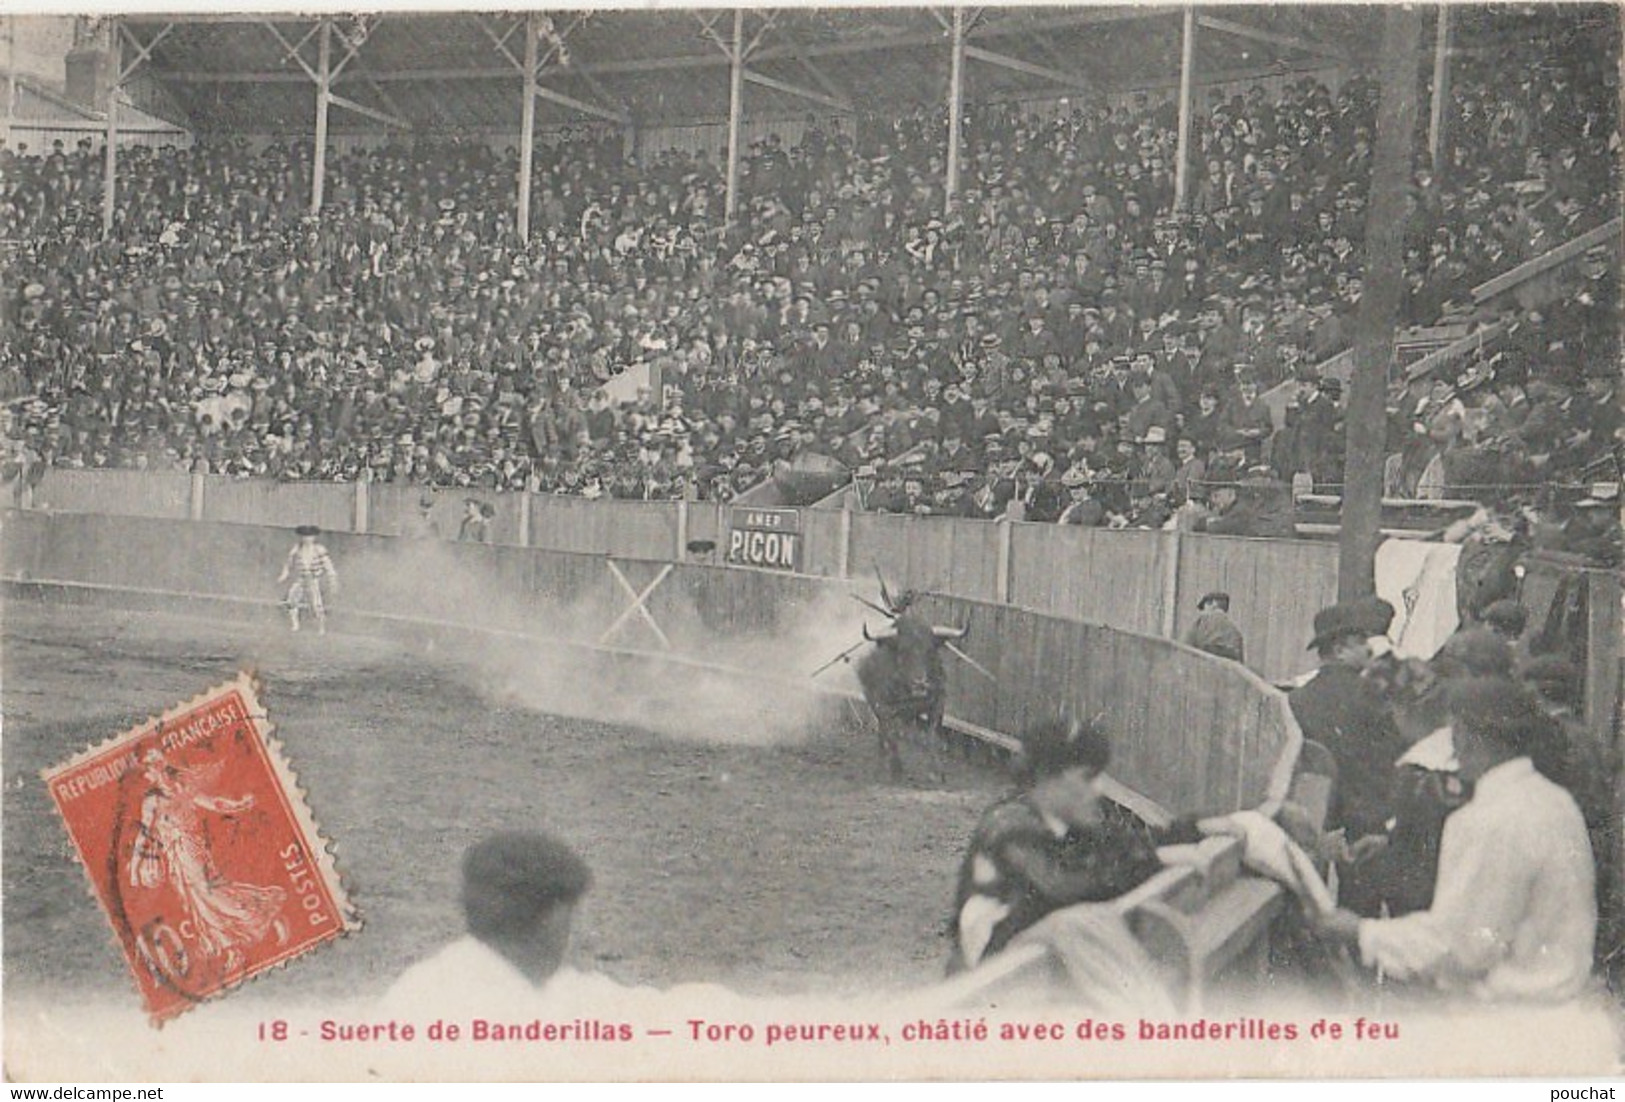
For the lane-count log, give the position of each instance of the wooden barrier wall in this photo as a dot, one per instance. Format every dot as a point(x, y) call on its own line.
point(1140, 581)
point(935, 554)
point(1275, 587)
point(257, 501)
point(393, 506)
point(1116, 578)
point(628, 529)
point(1191, 732)
point(119, 493)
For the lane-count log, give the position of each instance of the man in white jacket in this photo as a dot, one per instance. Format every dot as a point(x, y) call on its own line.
point(520, 892)
point(1514, 911)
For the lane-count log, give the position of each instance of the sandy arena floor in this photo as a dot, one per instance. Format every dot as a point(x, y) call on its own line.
point(769, 868)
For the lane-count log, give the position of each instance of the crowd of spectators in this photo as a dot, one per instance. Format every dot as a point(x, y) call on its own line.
point(1434, 859)
point(1053, 344)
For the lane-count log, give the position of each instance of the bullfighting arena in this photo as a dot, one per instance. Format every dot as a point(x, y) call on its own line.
point(731, 859)
point(752, 862)
point(487, 493)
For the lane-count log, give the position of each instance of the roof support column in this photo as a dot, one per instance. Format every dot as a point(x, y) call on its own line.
point(324, 96)
point(11, 76)
point(1379, 305)
point(1441, 94)
point(956, 105)
point(1182, 154)
point(115, 65)
point(736, 106)
point(527, 131)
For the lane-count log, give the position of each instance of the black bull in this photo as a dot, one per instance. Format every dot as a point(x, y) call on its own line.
point(905, 684)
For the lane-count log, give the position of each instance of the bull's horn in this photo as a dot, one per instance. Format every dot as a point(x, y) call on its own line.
point(949, 633)
point(882, 636)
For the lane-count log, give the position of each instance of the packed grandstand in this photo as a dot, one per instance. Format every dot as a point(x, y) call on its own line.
point(1056, 342)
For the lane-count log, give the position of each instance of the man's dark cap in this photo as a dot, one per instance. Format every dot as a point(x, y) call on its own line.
point(1217, 597)
point(1375, 615)
point(1555, 678)
point(1507, 617)
point(519, 872)
point(1339, 621)
point(1499, 711)
point(1051, 747)
point(307, 530)
point(1475, 652)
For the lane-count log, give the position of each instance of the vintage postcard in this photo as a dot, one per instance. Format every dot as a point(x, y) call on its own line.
point(811, 543)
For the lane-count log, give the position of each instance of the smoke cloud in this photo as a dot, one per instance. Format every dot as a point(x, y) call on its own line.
point(717, 683)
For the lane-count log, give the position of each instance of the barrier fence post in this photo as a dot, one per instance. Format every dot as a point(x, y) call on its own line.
point(1170, 581)
point(363, 505)
point(195, 509)
point(682, 530)
point(1001, 564)
point(843, 552)
point(524, 518)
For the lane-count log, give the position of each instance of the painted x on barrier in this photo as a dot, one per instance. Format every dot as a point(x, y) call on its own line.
point(637, 607)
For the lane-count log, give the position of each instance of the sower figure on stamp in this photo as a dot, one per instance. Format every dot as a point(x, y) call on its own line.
point(309, 566)
point(172, 849)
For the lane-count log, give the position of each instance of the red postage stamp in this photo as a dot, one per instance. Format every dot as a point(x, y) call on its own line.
point(200, 848)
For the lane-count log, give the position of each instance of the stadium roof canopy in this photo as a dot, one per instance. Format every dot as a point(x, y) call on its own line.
point(450, 71)
point(444, 71)
point(417, 72)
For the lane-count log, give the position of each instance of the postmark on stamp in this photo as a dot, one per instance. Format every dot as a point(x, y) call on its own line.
point(200, 848)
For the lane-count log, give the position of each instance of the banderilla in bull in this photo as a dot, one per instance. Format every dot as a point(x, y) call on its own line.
point(973, 663)
point(844, 656)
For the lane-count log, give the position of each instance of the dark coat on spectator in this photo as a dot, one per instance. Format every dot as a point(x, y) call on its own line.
point(1346, 715)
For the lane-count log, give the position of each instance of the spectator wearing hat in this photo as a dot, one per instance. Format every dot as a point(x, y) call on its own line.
point(1257, 506)
point(1445, 456)
point(421, 525)
point(1205, 424)
point(1393, 873)
point(476, 524)
point(1154, 471)
point(1311, 442)
point(1514, 911)
point(1574, 758)
point(1082, 509)
point(1213, 630)
point(1340, 710)
point(1148, 411)
point(1246, 420)
point(1593, 530)
point(1052, 844)
point(520, 891)
point(1190, 471)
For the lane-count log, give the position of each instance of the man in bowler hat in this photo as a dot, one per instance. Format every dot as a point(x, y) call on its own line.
point(1343, 712)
